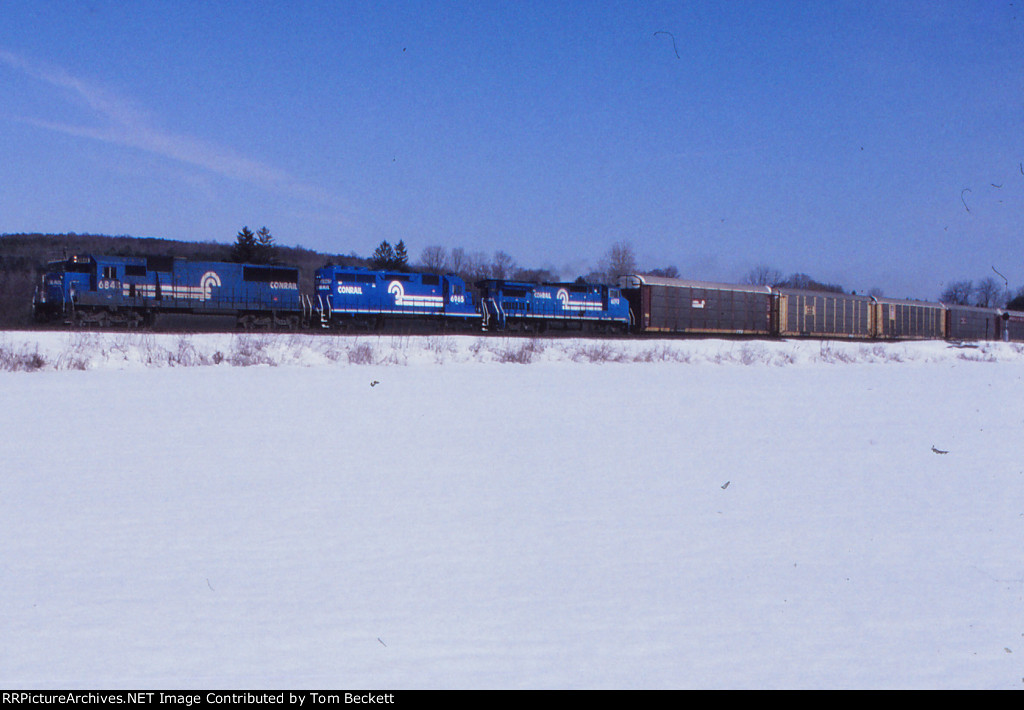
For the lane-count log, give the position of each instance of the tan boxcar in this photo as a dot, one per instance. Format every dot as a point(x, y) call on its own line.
point(823, 314)
point(909, 319)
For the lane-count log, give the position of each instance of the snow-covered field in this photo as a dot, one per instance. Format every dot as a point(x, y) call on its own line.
point(294, 511)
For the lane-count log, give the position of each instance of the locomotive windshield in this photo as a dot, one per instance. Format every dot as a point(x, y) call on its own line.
point(73, 265)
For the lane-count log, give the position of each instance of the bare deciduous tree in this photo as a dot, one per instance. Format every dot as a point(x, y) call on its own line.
point(619, 261)
point(804, 281)
point(764, 276)
point(798, 280)
point(537, 276)
point(475, 267)
point(669, 272)
point(457, 260)
point(502, 265)
point(958, 293)
point(434, 258)
point(989, 293)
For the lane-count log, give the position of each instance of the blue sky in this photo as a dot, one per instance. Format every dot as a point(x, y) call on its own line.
point(873, 144)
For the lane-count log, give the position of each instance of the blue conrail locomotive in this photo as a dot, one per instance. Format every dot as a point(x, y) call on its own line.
point(349, 297)
point(100, 291)
point(578, 306)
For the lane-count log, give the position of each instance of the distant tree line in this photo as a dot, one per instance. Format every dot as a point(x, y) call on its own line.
point(769, 276)
point(986, 293)
point(473, 266)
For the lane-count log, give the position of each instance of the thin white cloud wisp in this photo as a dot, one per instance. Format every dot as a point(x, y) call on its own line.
point(121, 123)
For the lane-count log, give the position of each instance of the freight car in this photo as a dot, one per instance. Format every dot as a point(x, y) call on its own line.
point(350, 297)
point(102, 291)
point(677, 306)
point(581, 307)
point(897, 319)
point(800, 313)
point(971, 323)
point(665, 305)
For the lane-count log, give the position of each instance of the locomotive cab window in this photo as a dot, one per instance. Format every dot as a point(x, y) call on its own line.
point(266, 274)
point(160, 263)
point(342, 277)
point(110, 272)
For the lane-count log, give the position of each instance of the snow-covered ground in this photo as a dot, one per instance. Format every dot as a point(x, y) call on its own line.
point(464, 512)
point(62, 350)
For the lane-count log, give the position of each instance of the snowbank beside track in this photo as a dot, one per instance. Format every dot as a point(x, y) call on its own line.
point(42, 351)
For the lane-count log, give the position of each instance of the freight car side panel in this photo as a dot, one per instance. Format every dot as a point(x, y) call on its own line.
point(911, 320)
point(694, 309)
point(967, 323)
point(806, 313)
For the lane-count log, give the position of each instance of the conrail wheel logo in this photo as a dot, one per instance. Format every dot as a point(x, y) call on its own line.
point(206, 284)
point(402, 300)
point(395, 288)
point(569, 304)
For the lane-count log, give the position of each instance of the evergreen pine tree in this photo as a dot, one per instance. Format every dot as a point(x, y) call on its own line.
point(384, 256)
point(401, 256)
point(264, 247)
point(244, 249)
